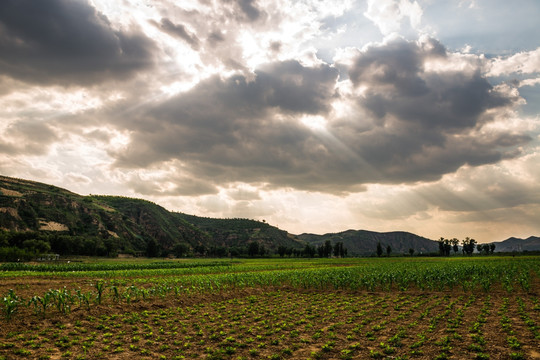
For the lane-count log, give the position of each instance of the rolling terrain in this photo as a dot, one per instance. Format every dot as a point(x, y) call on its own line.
point(108, 225)
point(131, 225)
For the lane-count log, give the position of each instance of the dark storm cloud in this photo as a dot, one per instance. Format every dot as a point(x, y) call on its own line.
point(180, 31)
point(423, 122)
point(62, 41)
point(398, 85)
point(408, 125)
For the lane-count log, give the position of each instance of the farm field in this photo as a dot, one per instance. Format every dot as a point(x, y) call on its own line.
point(353, 308)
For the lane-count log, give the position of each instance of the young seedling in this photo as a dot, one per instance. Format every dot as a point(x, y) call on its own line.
point(100, 288)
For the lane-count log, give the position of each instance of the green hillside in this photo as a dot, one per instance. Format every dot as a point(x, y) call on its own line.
point(241, 232)
point(38, 217)
point(89, 225)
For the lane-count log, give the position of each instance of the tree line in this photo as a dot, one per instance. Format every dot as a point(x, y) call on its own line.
point(446, 246)
point(254, 249)
point(24, 246)
point(28, 245)
point(325, 250)
point(468, 245)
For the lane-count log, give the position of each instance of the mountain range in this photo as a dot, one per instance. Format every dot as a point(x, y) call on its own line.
point(532, 243)
point(106, 225)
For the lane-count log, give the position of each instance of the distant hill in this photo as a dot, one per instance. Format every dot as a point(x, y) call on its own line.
point(513, 244)
point(240, 232)
point(364, 243)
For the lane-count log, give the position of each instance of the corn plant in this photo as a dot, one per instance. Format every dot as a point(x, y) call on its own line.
point(116, 293)
point(10, 304)
point(84, 298)
point(41, 303)
point(100, 288)
point(63, 300)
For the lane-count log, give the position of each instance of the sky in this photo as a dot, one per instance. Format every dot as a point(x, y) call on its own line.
point(315, 116)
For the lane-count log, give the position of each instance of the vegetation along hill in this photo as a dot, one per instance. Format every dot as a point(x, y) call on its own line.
point(362, 242)
point(239, 234)
point(39, 218)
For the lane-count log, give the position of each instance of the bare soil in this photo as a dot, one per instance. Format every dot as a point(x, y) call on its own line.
point(276, 323)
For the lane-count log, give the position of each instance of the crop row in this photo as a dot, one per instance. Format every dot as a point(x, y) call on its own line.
point(157, 269)
point(72, 267)
point(388, 277)
point(511, 276)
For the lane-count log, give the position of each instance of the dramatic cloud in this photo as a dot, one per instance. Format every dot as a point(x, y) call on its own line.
point(265, 130)
point(505, 195)
point(409, 99)
point(231, 129)
point(62, 41)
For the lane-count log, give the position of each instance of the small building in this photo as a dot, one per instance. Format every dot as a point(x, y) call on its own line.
point(48, 257)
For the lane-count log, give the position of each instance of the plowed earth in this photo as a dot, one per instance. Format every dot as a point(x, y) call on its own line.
point(279, 323)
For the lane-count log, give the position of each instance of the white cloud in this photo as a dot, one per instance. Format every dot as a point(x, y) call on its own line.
point(388, 15)
point(520, 63)
point(530, 82)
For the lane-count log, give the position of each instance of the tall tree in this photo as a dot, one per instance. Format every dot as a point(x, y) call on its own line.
point(379, 249)
point(327, 248)
point(455, 243)
point(262, 250)
point(253, 249)
point(309, 251)
point(320, 250)
point(342, 251)
point(339, 250)
point(444, 246)
point(336, 249)
point(468, 245)
point(441, 246)
point(152, 248)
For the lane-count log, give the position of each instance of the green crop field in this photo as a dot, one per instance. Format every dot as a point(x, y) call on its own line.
point(353, 308)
